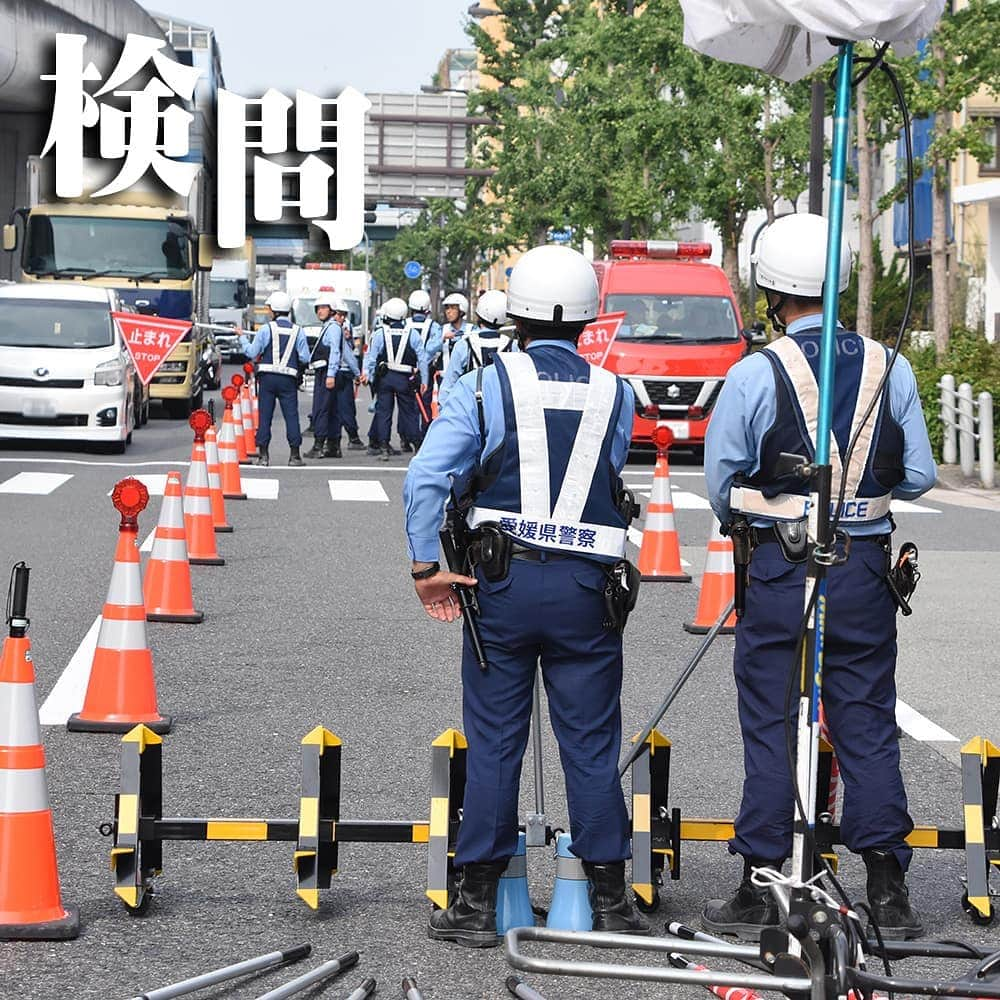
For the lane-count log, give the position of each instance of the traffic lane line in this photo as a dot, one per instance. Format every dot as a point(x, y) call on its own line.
point(67, 696)
point(919, 726)
point(34, 483)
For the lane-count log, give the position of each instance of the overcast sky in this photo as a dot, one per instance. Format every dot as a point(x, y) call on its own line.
point(321, 45)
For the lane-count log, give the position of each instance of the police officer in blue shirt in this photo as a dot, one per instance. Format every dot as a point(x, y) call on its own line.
point(396, 365)
point(273, 347)
point(341, 383)
point(767, 407)
point(431, 336)
point(326, 357)
point(542, 458)
point(455, 326)
point(482, 345)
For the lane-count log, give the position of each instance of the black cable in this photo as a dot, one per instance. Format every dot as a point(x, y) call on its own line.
point(871, 64)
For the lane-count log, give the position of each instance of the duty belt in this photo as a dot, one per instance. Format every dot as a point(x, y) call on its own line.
point(761, 536)
point(537, 555)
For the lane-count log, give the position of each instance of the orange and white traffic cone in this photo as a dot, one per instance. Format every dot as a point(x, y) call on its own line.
point(660, 552)
point(252, 382)
point(246, 405)
point(167, 586)
point(30, 902)
point(122, 690)
point(435, 406)
point(241, 441)
point(229, 463)
point(718, 585)
point(202, 550)
point(215, 483)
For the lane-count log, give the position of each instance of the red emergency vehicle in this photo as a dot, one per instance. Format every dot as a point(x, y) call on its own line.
point(681, 333)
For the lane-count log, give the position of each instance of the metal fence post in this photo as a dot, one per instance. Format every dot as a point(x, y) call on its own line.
point(986, 449)
point(966, 431)
point(949, 453)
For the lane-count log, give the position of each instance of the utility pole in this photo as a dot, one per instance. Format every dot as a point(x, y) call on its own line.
point(817, 147)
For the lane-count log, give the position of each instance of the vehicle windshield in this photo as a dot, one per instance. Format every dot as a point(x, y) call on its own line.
point(304, 312)
point(225, 293)
point(675, 318)
point(91, 246)
point(51, 323)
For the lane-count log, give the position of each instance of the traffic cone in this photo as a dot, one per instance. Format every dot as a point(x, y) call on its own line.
point(30, 903)
point(718, 585)
point(202, 550)
point(249, 441)
point(252, 382)
point(241, 441)
point(660, 553)
point(570, 908)
point(513, 901)
point(167, 584)
point(121, 691)
point(229, 462)
point(435, 406)
point(215, 483)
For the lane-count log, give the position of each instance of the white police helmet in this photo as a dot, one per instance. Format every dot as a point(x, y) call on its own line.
point(420, 301)
point(457, 299)
point(553, 284)
point(340, 306)
point(279, 302)
point(325, 299)
point(492, 307)
point(394, 310)
point(791, 256)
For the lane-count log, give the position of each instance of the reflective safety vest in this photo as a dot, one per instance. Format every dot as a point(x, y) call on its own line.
point(397, 352)
point(483, 348)
point(423, 328)
point(276, 357)
point(551, 484)
point(876, 466)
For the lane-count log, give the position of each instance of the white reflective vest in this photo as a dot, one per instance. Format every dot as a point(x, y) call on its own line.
point(424, 328)
point(280, 365)
point(395, 350)
point(478, 343)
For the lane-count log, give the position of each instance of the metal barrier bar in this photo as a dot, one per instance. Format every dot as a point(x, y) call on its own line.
point(966, 431)
point(987, 472)
point(967, 420)
point(948, 418)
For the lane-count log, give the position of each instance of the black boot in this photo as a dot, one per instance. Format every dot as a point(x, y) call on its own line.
point(751, 910)
point(316, 451)
point(355, 444)
point(262, 456)
point(390, 451)
point(889, 898)
point(374, 450)
point(406, 447)
point(613, 911)
point(295, 458)
point(331, 449)
point(471, 920)
point(386, 453)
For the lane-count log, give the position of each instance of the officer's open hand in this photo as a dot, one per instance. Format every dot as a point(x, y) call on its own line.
point(437, 597)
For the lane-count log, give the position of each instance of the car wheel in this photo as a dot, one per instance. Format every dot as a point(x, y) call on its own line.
point(144, 412)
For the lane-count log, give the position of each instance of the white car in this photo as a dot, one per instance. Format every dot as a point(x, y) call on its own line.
point(65, 373)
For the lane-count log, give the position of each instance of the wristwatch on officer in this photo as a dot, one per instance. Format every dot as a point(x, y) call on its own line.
point(425, 574)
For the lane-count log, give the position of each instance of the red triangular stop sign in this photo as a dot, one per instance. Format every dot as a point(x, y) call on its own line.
point(598, 338)
point(150, 339)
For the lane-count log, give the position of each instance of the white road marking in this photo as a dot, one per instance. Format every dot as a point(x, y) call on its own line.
point(68, 694)
point(906, 507)
point(34, 483)
point(683, 500)
point(155, 482)
point(630, 473)
point(920, 727)
point(77, 461)
point(635, 537)
point(260, 489)
point(147, 544)
point(358, 489)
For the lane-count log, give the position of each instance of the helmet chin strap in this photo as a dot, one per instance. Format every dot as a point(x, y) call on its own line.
point(774, 308)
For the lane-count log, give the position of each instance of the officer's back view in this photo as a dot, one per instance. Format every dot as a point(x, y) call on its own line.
point(536, 443)
point(767, 409)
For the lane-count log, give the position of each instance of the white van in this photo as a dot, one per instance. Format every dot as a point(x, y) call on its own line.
point(65, 373)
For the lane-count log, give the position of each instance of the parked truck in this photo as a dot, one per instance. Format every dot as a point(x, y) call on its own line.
point(143, 242)
point(231, 296)
point(304, 283)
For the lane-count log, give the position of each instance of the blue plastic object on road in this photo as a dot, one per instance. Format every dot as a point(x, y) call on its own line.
point(513, 901)
point(570, 908)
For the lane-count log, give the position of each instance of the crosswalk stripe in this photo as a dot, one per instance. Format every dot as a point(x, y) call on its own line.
point(919, 726)
point(153, 481)
point(370, 490)
point(260, 489)
point(34, 483)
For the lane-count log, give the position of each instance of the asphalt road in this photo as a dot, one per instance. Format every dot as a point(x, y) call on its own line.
point(313, 620)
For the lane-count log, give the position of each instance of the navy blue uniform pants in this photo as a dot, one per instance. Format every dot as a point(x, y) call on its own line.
point(396, 388)
point(281, 389)
point(859, 697)
point(548, 612)
point(344, 415)
point(324, 405)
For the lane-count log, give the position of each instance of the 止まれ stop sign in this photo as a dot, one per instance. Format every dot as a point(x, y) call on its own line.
point(150, 340)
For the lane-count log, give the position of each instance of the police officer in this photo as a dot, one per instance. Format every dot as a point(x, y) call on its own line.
point(397, 365)
point(326, 357)
point(545, 463)
point(344, 415)
point(431, 335)
point(767, 407)
point(273, 347)
point(455, 326)
point(482, 345)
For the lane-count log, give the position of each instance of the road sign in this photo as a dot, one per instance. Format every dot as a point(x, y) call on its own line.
point(150, 339)
point(413, 269)
point(598, 338)
point(561, 235)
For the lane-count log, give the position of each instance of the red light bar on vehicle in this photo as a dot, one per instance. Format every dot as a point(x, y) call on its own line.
point(318, 266)
point(658, 249)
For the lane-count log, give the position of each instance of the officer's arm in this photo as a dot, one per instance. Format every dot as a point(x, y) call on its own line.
point(740, 418)
point(456, 366)
point(449, 451)
point(302, 347)
point(352, 361)
point(374, 350)
point(920, 472)
point(253, 348)
point(336, 344)
point(423, 362)
point(623, 432)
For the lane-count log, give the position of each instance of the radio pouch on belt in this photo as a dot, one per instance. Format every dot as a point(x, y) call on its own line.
point(491, 552)
point(902, 578)
point(793, 539)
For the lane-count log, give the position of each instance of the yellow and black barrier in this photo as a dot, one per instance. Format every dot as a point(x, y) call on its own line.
point(140, 828)
point(659, 831)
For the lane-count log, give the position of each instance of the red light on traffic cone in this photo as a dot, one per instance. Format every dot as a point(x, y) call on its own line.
point(660, 553)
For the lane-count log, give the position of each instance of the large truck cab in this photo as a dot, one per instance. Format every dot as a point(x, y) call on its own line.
point(680, 336)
